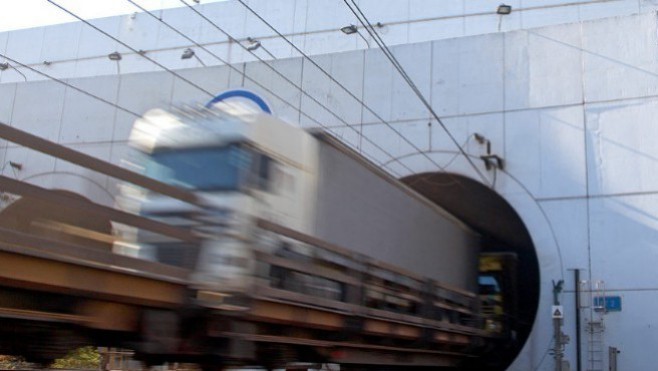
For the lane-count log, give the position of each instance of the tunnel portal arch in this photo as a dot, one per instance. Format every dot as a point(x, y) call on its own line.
point(502, 229)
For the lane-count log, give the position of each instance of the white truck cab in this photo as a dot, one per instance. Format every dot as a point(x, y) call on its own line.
point(243, 166)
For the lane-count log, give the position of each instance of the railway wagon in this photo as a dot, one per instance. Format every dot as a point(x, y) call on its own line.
point(292, 216)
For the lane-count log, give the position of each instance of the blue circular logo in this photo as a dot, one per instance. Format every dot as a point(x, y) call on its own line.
point(241, 95)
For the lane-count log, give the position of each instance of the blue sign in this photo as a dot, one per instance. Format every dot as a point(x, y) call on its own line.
point(241, 94)
point(610, 303)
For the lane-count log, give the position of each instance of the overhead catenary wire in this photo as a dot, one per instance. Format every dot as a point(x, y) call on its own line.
point(285, 78)
point(60, 81)
point(345, 123)
point(230, 37)
point(380, 42)
point(138, 52)
point(343, 87)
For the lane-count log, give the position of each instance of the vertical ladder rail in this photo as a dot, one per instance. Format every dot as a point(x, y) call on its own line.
point(596, 327)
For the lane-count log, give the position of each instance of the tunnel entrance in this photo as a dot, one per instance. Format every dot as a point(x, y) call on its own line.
point(503, 232)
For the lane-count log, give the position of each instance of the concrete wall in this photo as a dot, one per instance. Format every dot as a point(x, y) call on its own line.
point(569, 107)
point(77, 50)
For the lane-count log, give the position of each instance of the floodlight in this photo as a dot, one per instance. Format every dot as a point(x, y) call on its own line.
point(187, 54)
point(116, 56)
point(348, 30)
point(504, 9)
point(255, 44)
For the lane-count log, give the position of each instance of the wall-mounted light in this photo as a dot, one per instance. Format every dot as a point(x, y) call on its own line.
point(47, 63)
point(187, 54)
point(4, 66)
point(348, 30)
point(352, 29)
point(16, 166)
point(116, 56)
point(253, 44)
point(504, 9)
point(493, 162)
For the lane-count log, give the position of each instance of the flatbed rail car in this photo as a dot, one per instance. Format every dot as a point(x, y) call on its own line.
point(340, 307)
point(316, 302)
point(327, 305)
point(405, 274)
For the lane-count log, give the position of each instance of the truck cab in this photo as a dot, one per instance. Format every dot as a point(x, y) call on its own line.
point(242, 166)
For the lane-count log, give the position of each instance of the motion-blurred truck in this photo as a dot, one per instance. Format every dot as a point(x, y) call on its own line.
point(308, 251)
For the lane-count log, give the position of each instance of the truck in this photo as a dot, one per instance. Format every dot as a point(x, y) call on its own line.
point(308, 252)
point(497, 282)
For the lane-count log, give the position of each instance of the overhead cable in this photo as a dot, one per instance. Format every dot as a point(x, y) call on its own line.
point(339, 84)
point(138, 52)
point(268, 65)
point(373, 33)
point(50, 77)
point(143, 55)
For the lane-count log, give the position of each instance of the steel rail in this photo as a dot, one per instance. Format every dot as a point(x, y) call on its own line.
point(94, 210)
point(328, 343)
point(35, 315)
point(64, 153)
point(42, 270)
point(24, 244)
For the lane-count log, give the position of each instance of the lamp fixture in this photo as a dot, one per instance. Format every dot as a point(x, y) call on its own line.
point(116, 56)
point(16, 165)
point(187, 54)
point(4, 66)
point(47, 63)
point(253, 44)
point(493, 162)
point(348, 30)
point(504, 9)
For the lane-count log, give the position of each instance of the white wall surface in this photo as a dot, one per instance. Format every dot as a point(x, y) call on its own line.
point(570, 107)
point(78, 50)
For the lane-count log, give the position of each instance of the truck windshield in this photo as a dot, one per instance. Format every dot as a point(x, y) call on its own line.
point(217, 168)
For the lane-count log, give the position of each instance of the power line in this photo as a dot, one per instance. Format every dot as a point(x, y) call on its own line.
point(197, 44)
point(71, 86)
point(268, 65)
point(338, 83)
point(373, 33)
point(231, 38)
point(130, 47)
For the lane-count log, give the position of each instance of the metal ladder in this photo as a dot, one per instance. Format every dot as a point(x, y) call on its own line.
point(596, 329)
point(595, 346)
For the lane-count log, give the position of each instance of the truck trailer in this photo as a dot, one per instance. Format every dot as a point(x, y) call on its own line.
point(308, 252)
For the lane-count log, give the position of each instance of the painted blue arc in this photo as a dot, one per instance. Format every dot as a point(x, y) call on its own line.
point(241, 94)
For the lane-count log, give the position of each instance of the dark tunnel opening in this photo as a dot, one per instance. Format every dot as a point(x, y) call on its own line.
point(502, 231)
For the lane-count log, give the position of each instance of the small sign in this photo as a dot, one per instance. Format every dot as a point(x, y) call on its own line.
point(609, 303)
point(557, 311)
